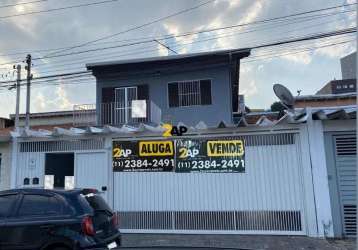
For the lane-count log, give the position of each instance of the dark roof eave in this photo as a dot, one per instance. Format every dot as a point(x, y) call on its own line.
point(242, 52)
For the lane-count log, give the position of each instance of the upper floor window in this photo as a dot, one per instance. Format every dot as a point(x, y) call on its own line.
point(339, 86)
point(189, 93)
point(345, 86)
point(351, 86)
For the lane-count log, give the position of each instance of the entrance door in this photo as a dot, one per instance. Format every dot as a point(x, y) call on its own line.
point(59, 165)
point(123, 100)
point(91, 171)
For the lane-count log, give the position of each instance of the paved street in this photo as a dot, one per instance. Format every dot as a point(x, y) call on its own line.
point(230, 242)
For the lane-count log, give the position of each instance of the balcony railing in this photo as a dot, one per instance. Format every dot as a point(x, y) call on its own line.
point(116, 114)
point(84, 115)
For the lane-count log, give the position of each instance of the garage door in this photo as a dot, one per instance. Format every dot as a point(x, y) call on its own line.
point(91, 171)
point(266, 199)
point(346, 160)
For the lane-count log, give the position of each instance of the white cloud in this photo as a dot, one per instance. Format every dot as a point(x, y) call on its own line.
point(337, 51)
point(62, 99)
point(245, 68)
point(184, 42)
point(301, 58)
point(248, 89)
point(40, 102)
point(162, 51)
point(252, 13)
point(46, 100)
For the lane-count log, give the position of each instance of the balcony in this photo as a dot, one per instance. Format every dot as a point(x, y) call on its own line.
point(116, 114)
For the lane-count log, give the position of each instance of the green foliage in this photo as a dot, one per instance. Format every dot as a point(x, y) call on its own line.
point(277, 106)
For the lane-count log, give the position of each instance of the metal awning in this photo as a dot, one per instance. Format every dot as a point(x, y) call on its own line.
point(299, 116)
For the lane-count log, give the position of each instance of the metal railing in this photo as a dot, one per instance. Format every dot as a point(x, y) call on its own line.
point(116, 113)
point(84, 115)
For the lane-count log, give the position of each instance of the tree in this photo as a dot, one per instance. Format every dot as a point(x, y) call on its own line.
point(277, 106)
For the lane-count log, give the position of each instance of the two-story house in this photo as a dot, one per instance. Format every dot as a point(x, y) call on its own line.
point(181, 88)
point(267, 178)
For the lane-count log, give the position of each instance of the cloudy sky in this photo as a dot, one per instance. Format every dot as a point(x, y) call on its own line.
point(302, 66)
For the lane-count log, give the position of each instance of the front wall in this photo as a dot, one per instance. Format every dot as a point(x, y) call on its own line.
point(220, 110)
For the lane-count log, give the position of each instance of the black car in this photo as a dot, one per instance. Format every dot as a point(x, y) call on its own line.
point(57, 220)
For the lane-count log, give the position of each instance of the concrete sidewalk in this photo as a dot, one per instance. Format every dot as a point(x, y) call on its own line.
point(235, 241)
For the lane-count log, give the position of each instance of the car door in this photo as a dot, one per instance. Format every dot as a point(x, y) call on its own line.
point(8, 204)
point(37, 215)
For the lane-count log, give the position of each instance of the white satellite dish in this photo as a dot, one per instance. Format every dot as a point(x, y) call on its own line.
point(284, 95)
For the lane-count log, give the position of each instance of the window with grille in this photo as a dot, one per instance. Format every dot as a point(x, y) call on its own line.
point(189, 93)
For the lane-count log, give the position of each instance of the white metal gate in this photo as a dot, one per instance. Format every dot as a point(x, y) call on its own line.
point(346, 160)
point(30, 169)
point(267, 198)
point(91, 171)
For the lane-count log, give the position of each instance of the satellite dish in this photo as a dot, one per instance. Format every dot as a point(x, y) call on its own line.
point(284, 95)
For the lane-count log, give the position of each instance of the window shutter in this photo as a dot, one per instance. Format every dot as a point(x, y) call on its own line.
point(173, 94)
point(143, 92)
point(107, 95)
point(205, 92)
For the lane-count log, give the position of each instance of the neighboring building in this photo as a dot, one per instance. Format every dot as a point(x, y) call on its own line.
point(329, 100)
point(349, 66)
point(181, 88)
point(5, 152)
point(339, 87)
point(56, 118)
point(5, 158)
point(348, 84)
point(5, 122)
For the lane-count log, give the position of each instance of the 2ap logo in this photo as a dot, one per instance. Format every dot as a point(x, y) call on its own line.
point(185, 153)
point(171, 130)
point(118, 152)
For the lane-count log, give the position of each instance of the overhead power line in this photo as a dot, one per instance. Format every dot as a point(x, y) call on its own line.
point(54, 55)
point(90, 80)
point(139, 26)
point(190, 9)
point(173, 45)
point(58, 9)
point(346, 31)
point(195, 32)
point(21, 3)
point(277, 43)
point(168, 36)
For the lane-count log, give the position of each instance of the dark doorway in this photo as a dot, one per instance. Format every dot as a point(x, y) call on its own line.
point(59, 165)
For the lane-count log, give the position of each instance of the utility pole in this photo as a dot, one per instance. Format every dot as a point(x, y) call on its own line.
point(18, 86)
point(28, 94)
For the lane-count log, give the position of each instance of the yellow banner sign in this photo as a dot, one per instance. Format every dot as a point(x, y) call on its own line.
point(156, 148)
point(225, 148)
